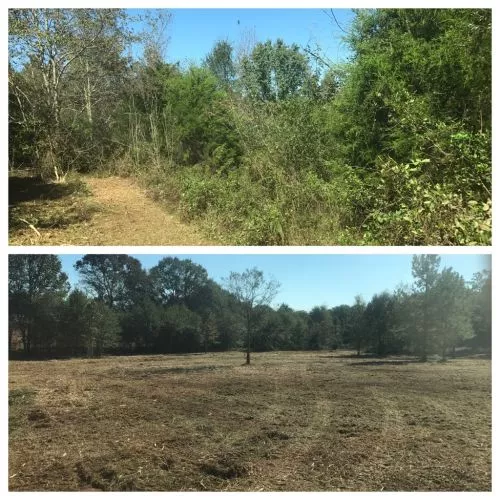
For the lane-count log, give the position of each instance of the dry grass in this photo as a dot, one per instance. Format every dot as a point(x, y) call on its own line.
point(290, 421)
point(93, 211)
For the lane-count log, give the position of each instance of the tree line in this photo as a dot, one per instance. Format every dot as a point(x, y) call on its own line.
point(268, 142)
point(175, 307)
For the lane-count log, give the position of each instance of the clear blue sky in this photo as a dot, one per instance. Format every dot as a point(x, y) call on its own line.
point(310, 280)
point(193, 32)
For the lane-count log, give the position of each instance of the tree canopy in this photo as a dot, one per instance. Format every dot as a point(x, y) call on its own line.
point(175, 307)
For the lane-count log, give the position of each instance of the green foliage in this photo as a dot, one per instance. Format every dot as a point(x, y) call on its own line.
point(321, 329)
point(176, 281)
point(103, 328)
point(174, 307)
point(358, 324)
point(220, 63)
point(407, 208)
point(180, 330)
point(260, 205)
point(112, 279)
point(481, 309)
point(140, 325)
point(203, 123)
point(454, 322)
point(74, 324)
point(64, 67)
point(392, 147)
point(274, 71)
point(379, 315)
point(37, 286)
point(404, 58)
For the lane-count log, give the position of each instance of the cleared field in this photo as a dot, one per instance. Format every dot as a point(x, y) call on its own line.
point(310, 421)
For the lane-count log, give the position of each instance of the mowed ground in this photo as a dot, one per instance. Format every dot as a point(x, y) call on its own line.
point(310, 421)
point(93, 211)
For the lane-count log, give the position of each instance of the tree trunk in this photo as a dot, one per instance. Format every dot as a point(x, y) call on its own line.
point(248, 345)
point(248, 336)
point(426, 324)
point(52, 86)
point(88, 95)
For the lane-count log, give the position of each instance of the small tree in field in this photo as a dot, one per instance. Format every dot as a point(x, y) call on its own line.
point(251, 290)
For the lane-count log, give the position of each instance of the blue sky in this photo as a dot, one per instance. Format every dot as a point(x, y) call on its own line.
point(193, 32)
point(310, 280)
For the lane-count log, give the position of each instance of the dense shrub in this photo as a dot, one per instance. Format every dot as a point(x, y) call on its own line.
point(392, 147)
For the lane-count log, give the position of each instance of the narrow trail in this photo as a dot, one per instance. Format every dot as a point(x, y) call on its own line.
point(123, 214)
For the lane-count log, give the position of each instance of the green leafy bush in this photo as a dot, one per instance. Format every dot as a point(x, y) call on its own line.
point(201, 119)
point(409, 209)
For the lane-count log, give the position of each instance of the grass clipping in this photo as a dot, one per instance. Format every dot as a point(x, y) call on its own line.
point(289, 422)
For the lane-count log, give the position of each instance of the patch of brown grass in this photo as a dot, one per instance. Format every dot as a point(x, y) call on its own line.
point(288, 422)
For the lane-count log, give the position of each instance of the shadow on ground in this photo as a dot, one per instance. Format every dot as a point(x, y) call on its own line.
point(23, 188)
point(385, 362)
point(354, 356)
point(35, 204)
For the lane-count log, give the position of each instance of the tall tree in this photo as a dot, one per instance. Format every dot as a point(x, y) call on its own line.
point(453, 302)
point(140, 325)
point(220, 63)
point(252, 290)
point(180, 330)
point(274, 71)
point(358, 328)
point(342, 323)
point(201, 119)
point(33, 281)
point(74, 324)
point(321, 328)
point(103, 329)
point(112, 279)
point(379, 316)
point(60, 55)
point(425, 270)
point(178, 281)
point(482, 308)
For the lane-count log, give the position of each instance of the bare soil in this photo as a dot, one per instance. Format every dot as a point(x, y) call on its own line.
point(311, 421)
point(93, 211)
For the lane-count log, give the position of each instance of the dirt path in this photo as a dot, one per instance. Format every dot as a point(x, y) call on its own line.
point(121, 214)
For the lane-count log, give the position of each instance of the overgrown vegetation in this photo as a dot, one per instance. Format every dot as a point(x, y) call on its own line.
point(392, 147)
point(176, 308)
